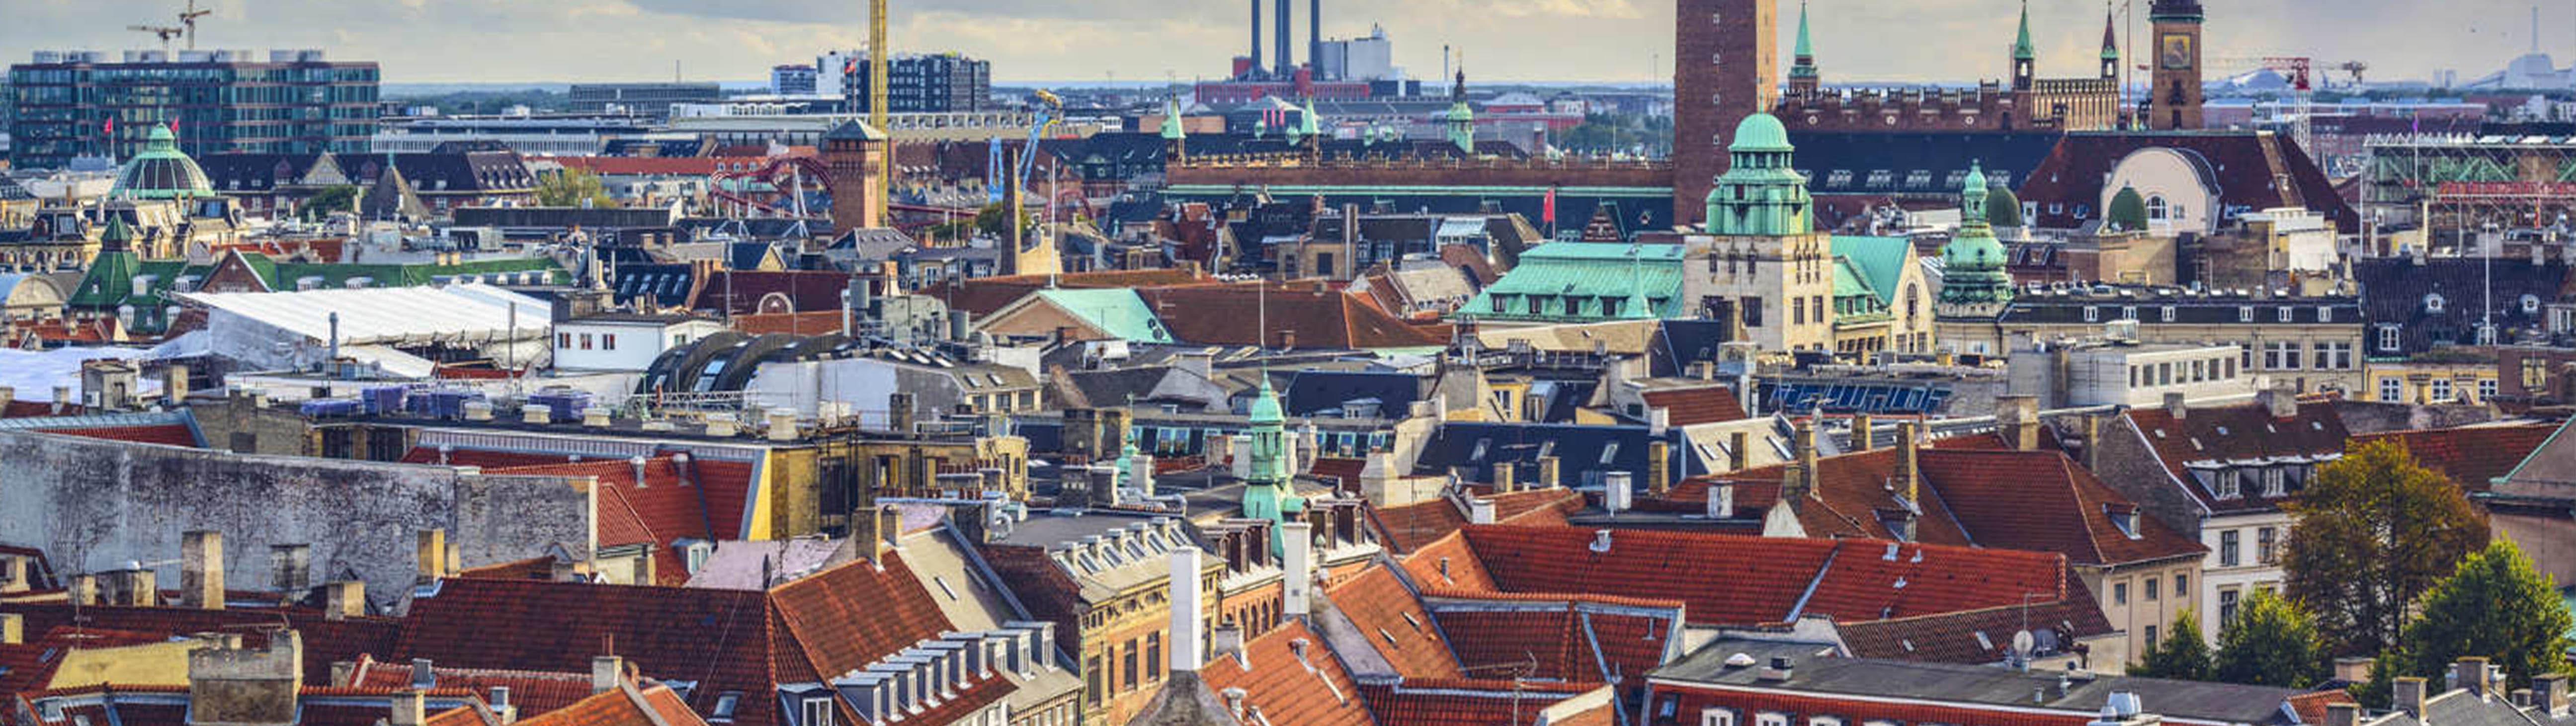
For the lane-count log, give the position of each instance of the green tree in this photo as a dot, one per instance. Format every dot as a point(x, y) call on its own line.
point(2003, 210)
point(2128, 212)
point(2374, 530)
point(570, 187)
point(2494, 605)
point(2180, 655)
point(2270, 642)
point(340, 198)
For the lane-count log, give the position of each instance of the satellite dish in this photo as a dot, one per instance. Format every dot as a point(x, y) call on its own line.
point(2023, 643)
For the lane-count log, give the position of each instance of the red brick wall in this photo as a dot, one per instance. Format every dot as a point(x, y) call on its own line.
point(1725, 67)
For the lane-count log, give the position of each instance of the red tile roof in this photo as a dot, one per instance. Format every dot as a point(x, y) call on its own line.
point(1448, 563)
point(167, 434)
point(1953, 637)
point(1849, 496)
point(324, 640)
point(1466, 702)
point(2471, 456)
point(1395, 623)
point(36, 409)
point(2241, 432)
point(1770, 580)
point(1699, 405)
point(2311, 706)
point(532, 692)
point(1320, 319)
point(649, 705)
point(984, 295)
point(726, 486)
point(658, 512)
point(2043, 501)
point(1287, 687)
point(1412, 526)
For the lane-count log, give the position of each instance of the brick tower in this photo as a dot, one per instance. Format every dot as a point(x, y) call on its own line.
point(1726, 66)
point(855, 154)
point(2174, 101)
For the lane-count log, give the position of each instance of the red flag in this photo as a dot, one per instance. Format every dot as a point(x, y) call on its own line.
point(110, 128)
point(174, 126)
point(1547, 210)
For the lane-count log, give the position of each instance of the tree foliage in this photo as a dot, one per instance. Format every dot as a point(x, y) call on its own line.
point(2374, 531)
point(340, 198)
point(570, 187)
point(2181, 655)
point(2270, 642)
point(2128, 212)
point(2494, 605)
point(2003, 210)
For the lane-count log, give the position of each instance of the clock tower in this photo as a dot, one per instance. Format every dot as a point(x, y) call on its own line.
point(2174, 100)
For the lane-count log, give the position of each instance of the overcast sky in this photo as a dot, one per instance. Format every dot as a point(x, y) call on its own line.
point(440, 41)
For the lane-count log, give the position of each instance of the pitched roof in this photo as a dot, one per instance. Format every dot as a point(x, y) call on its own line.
point(1291, 678)
point(984, 295)
point(629, 705)
point(1471, 702)
point(2043, 501)
point(2244, 166)
point(1116, 312)
point(1556, 641)
point(1696, 405)
point(2215, 435)
point(2399, 291)
point(1393, 619)
point(655, 512)
point(531, 692)
point(1414, 526)
point(324, 640)
point(1325, 319)
point(2471, 456)
point(1978, 636)
point(1585, 282)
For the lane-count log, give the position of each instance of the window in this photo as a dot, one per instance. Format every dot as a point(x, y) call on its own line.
point(2227, 556)
point(1716, 717)
point(2182, 587)
point(1154, 653)
point(1824, 721)
point(2433, 302)
point(2129, 312)
point(2157, 209)
point(1771, 719)
point(2486, 388)
point(726, 703)
point(2245, 313)
point(2325, 313)
point(608, 341)
point(818, 711)
point(2119, 593)
point(2281, 355)
point(2391, 390)
point(585, 341)
point(2283, 313)
point(2388, 337)
point(2535, 374)
point(2272, 487)
point(2152, 588)
point(2264, 547)
point(563, 340)
point(2226, 606)
point(2441, 390)
point(2334, 356)
point(2092, 313)
point(2151, 633)
point(2530, 304)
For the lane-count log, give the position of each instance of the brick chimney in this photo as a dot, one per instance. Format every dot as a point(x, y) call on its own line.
point(899, 412)
point(1862, 431)
point(201, 569)
point(2093, 442)
point(1909, 457)
point(1503, 475)
point(16, 573)
point(84, 589)
point(1801, 476)
point(135, 586)
point(1480, 510)
point(2017, 417)
point(2352, 669)
point(2469, 673)
point(2406, 695)
point(13, 629)
point(1659, 468)
point(1547, 469)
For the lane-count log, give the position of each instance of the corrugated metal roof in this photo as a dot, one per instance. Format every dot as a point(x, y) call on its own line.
point(414, 315)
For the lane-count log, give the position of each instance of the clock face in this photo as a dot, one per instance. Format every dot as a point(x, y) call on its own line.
point(2175, 52)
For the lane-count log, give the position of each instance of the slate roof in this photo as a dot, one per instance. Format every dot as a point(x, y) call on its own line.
point(1678, 342)
point(1478, 446)
point(984, 295)
point(1953, 637)
point(1767, 580)
point(443, 172)
point(1391, 616)
point(669, 285)
point(2244, 165)
point(1308, 688)
point(1846, 163)
point(1314, 391)
point(742, 291)
point(2396, 291)
point(2244, 432)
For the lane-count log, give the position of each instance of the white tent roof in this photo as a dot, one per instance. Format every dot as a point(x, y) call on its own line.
point(391, 316)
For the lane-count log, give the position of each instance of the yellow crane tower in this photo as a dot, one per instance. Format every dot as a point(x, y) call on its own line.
point(877, 102)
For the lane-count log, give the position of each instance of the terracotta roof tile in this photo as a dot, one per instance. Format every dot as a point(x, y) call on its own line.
point(651, 705)
point(1699, 405)
point(657, 512)
point(2311, 706)
point(169, 434)
point(721, 639)
point(2043, 501)
point(1449, 562)
point(1394, 621)
point(1308, 689)
point(532, 692)
point(2238, 432)
point(1954, 637)
point(2471, 456)
point(1464, 702)
point(1413, 526)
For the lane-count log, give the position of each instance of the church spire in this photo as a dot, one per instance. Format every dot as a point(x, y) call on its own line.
point(2021, 44)
point(2110, 44)
point(1802, 70)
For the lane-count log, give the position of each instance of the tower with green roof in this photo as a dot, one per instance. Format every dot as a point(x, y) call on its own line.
point(1267, 483)
point(2110, 46)
point(1761, 256)
point(161, 171)
point(1177, 141)
point(1460, 119)
point(1803, 79)
point(1974, 283)
point(2023, 70)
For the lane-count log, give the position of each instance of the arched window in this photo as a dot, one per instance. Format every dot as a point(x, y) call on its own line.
point(2157, 209)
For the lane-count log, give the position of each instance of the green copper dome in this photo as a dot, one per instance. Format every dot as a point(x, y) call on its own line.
point(1761, 132)
point(1973, 262)
point(162, 172)
point(1265, 406)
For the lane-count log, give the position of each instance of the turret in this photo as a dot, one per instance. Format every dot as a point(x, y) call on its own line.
point(1760, 194)
point(2023, 55)
point(2110, 47)
point(1461, 119)
point(1974, 282)
point(1267, 492)
point(1803, 79)
point(1173, 137)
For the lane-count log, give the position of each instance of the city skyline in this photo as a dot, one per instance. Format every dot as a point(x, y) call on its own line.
point(1144, 40)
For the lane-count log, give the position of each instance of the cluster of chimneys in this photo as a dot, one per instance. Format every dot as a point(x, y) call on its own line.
point(201, 579)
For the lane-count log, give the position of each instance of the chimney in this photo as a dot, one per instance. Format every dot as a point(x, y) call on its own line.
point(290, 569)
point(2352, 669)
point(230, 684)
point(201, 569)
point(1140, 472)
point(1297, 541)
point(1185, 610)
point(722, 425)
point(1909, 457)
point(2549, 691)
point(135, 586)
point(432, 555)
point(13, 629)
point(782, 425)
point(2343, 714)
point(2017, 417)
point(174, 384)
point(1503, 475)
point(2282, 399)
point(344, 599)
point(2175, 407)
point(1657, 420)
point(424, 673)
point(536, 413)
point(2469, 673)
point(1547, 472)
point(899, 412)
point(1617, 491)
point(85, 590)
point(62, 398)
point(1739, 450)
point(1721, 501)
point(596, 417)
point(1659, 468)
point(1802, 475)
point(476, 410)
point(1863, 431)
point(2406, 695)
point(14, 574)
point(607, 672)
point(409, 709)
point(2093, 444)
point(1480, 511)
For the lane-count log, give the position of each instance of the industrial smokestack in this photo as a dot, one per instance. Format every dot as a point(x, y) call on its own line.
point(1286, 63)
point(1315, 36)
point(1256, 38)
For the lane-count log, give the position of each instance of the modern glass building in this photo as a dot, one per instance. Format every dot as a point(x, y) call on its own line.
point(82, 103)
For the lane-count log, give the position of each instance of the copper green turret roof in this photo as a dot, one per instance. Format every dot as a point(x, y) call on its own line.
point(2021, 45)
point(1172, 121)
point(2110, 40)
point(161, 171)
point(1308, 123)
point(1805, 56)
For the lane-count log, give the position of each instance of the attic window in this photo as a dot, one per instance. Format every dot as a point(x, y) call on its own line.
point(1388, 637)
point(2433, 302)
point(1984, 643)
point(942, 582)
point(725, 704)
point(1410, 620)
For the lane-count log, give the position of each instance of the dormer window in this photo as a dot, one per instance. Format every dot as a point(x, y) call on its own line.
point(726, 704)
point(2125, 518)
point(817, 711)
point(2433, 303)
point(2530, 304)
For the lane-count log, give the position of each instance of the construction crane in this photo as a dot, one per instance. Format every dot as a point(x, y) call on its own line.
point(2355, 68)
point(189, 18)
point(187, 27)
point(165, 32)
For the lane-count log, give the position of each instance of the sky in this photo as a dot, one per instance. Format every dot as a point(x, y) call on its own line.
point(451, 41)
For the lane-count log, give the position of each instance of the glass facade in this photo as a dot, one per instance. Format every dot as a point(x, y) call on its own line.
point(62, 110)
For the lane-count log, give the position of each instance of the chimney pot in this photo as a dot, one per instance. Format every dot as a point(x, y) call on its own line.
point(607, 672)
point(2406, 695)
